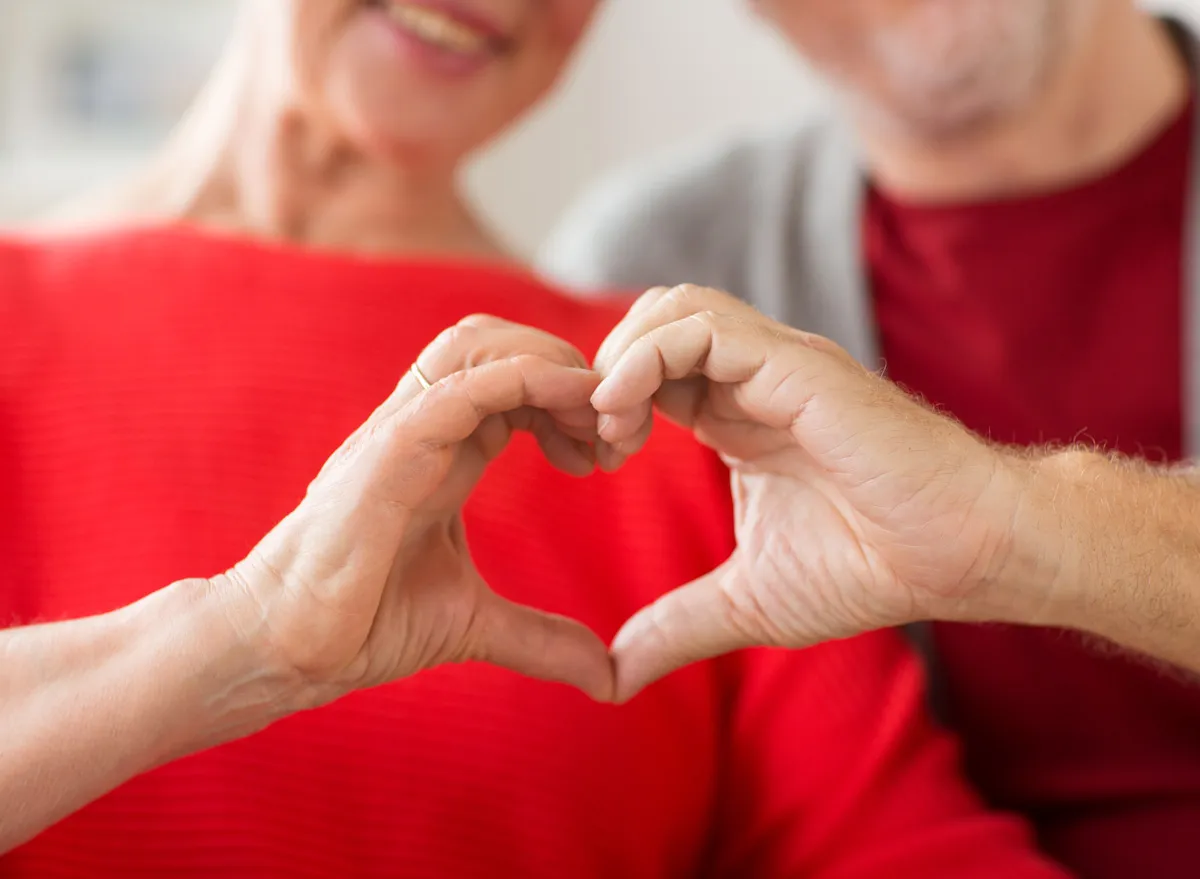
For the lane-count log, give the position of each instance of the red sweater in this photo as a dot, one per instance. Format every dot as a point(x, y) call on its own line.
point(165, 397)
point(1050, 319)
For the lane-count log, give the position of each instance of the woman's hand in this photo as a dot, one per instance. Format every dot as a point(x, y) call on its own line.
point(370, 579)
point(857, 508)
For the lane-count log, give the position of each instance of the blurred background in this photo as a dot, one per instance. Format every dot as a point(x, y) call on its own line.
point(88, 86)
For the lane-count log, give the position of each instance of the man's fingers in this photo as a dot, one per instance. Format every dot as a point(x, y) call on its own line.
point(659, 307)
point(631, 326)
point(719, 347)
point(544, 646)
point(680, 401)
point(695, 622)
point(570, 455)
point(626, 428)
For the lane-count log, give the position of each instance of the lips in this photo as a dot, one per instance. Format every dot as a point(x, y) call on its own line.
point(444, 28)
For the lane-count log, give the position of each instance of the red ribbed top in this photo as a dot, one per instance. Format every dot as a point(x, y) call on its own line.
point(165, 397)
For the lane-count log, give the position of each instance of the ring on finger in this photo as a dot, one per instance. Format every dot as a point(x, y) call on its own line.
point(425, 383)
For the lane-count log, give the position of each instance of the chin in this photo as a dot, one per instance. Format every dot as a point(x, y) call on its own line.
point(954, 111)
point(953, 67)
point(410, 83)
point(417, 137)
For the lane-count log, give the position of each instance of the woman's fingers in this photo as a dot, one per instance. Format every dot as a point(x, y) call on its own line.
point(566, 436)
point(472, 342)
point(542, 645)
point(452, 409)
point(481, 339)
point(409, 443)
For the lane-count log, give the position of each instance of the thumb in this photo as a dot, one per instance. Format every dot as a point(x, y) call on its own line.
point(694, 622)
point(544, 646)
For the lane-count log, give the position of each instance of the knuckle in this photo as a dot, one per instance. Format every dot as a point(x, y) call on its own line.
point(827, 347)
point(684, 294)
point(461, 336)
point(456, 348)
point(702, 298)
point(653, 295)
point(525, 361)
point(452, 384)
point(552, 348)
point(453, 341)
point(480, 320)
point(455, 387)
point(572, 356)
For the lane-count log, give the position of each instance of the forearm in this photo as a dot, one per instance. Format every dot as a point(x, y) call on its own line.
point(1112, 547)
point(86, 705)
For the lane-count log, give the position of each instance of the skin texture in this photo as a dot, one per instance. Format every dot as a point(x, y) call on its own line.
point(859, 508)
point(368, 580)
point(974, 99)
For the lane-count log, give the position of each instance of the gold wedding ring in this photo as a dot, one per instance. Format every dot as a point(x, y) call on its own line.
point(420, 377)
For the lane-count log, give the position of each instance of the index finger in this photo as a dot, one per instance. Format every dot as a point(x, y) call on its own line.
point(708, 346)
point(404, 456)
point(454, 407)
point(474, 341)
point(625, 431)
point(658, 307)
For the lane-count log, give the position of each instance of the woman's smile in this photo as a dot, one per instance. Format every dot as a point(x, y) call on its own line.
point(444, 34)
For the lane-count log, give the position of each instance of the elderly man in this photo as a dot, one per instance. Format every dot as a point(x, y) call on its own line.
point(1003, 216)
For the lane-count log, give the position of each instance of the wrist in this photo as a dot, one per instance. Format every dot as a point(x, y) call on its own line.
point(1085, 529)
point(1117, 551)
point(221, 684)
point(1031, 572)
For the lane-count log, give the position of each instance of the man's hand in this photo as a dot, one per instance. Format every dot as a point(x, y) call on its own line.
point(857, 507)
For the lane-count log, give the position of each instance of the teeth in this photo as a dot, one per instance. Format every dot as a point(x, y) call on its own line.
point(438, 29)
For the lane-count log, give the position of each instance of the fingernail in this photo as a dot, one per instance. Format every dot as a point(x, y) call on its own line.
point(603, 423)
point(607, 457)
point(598, 394)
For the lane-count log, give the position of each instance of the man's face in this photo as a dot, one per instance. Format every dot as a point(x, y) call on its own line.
point(935, 67)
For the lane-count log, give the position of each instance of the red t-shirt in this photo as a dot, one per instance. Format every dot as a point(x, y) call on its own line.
point(1053, 319)
point(165, 397)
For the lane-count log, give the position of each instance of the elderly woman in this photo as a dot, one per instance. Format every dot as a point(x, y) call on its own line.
point(179, 356)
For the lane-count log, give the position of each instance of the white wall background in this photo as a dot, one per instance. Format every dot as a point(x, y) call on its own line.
point(654, 72)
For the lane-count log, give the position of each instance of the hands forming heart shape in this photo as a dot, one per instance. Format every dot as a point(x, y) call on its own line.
point(849, 504)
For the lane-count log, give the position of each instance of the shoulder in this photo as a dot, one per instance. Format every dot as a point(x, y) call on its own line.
point(686, 215)
point(15, 262)
point(27, 269)
point(44, 273)
point(36, 260)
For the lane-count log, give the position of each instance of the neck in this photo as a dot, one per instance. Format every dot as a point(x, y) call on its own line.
point(247, 160)
point(1115, 90)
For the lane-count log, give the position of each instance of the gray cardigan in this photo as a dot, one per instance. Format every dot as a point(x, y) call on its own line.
point(776, 218)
